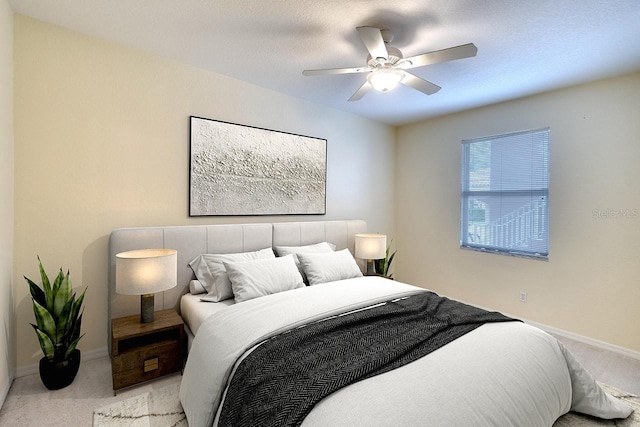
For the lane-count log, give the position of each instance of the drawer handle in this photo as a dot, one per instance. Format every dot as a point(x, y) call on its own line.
point(151, 364)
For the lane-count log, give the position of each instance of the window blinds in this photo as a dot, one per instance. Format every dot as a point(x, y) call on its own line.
point(504, 195)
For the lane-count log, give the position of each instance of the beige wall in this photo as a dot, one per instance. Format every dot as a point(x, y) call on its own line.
point(7, 324)
point(102, 136)
point(591, 284)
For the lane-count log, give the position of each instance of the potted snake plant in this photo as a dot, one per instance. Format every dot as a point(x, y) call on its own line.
point(58, 316)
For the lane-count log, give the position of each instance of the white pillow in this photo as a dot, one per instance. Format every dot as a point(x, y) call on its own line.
point(329, 267)
point(318, 247)
point(195, 287)
point(252, 279)
point(295, 250)
point(209, 270)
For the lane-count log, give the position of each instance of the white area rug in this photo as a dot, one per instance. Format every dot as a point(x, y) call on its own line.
point(157, 408)
point(161, 408)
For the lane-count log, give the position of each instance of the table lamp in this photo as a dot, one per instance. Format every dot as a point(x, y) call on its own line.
point(145, 272)
point(371, 247)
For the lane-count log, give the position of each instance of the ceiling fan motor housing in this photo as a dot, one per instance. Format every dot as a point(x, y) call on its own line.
point(394, 57)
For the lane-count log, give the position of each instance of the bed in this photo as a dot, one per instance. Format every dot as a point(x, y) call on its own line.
point(498, 371)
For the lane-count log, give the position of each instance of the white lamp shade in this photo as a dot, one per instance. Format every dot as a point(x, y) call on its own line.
point(371, 246)
point(146, 271)
point(385, 79)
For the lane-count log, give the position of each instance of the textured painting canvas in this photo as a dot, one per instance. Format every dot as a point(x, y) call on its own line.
point(244, 170)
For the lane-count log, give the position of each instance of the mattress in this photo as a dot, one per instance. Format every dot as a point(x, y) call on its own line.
point(194, 311)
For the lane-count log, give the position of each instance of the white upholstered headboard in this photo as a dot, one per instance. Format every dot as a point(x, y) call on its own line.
point(193, 240)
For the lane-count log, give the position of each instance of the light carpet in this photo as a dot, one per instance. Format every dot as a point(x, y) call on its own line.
point(161, 408)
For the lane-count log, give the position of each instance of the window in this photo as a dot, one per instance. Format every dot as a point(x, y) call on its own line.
point(505, 194)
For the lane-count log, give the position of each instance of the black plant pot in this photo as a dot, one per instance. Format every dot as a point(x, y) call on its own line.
point(57, 375)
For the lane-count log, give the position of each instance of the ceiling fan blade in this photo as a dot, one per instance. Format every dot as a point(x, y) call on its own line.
point(372, 39)
point(335, 71)
point(458, 52)
point(417, 83)
point(366, 87)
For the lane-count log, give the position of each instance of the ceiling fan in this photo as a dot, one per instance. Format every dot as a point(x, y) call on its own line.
point(387, 67)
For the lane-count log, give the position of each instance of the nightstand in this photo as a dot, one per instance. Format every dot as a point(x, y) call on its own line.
point(144, 351)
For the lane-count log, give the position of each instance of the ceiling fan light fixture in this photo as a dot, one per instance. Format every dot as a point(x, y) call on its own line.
point(385, 79)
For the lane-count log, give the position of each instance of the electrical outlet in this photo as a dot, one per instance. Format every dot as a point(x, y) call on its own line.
point(523, 296)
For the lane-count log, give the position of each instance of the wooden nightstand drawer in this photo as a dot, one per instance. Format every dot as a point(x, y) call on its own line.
point(144, 351)
point(150, 362)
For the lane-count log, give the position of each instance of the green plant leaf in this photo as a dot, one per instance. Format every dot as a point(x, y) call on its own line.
point(77, 305)
point(36, 293)
point(62, 294)
point(46, 285)
point(64, 320)
point(391, 258)
point(384, 267)
point(55, 290)
point(75, 333)
point(45, 343)
point(56, 282)
point(73, 330)
point(72, 346)
point(45, 321)
point(390, 261)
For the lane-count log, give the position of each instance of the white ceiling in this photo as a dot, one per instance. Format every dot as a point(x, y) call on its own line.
point(524, 47)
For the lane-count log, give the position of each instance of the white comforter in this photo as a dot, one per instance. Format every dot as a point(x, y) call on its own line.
point(501, 374)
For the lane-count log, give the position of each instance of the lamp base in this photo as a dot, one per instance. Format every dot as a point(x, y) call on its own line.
point(371, 269)
point(146, 308)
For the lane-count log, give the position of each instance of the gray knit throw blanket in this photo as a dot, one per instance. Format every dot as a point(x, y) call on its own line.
point(282, 379)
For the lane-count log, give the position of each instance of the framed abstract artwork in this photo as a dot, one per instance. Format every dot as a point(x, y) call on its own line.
point(243, 170)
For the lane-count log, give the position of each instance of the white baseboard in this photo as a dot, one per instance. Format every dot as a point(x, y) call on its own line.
point(586, 340)
point(23, 371)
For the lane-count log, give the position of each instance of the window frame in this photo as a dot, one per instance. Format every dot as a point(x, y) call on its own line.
point(466, 193)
